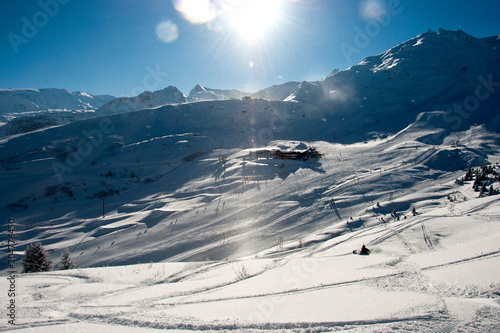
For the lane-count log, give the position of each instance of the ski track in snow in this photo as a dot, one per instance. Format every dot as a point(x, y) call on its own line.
point(406, 275)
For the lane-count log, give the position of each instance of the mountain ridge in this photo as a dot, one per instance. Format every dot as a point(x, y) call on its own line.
point(29, 99)
point(147, 99)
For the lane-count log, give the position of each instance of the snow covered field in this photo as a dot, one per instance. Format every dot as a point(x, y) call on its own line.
point(273, 253)
point(435, 272)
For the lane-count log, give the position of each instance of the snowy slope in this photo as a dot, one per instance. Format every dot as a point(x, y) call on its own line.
point(148, 99)
point(234, 239)
point(194, 175)
point(436, 271)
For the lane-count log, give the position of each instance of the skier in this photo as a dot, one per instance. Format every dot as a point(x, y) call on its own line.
point(364, 251)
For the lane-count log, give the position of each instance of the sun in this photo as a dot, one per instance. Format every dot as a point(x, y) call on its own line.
point(253, 18)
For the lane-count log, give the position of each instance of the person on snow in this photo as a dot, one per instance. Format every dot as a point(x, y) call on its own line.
point(364, 251)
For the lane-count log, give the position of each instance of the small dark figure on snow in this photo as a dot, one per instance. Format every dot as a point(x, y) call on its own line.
point(364, 251)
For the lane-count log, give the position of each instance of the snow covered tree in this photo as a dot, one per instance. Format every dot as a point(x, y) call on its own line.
point(36, 259)
point(66, 261)
point(477, 183)
point(483, 189)
point(468, 175)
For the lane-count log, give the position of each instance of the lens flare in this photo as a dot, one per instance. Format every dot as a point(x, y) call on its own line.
point(167, 31)
point(196, 11)
point(371, 9)
point(217, 24)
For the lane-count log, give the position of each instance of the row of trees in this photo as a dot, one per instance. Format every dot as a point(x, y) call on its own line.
point(483, 176)
point(36, 259)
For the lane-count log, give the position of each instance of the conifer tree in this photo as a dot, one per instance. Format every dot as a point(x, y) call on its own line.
point(483, 189)
point(36, 259)
point(66, 261)
point(468, 175)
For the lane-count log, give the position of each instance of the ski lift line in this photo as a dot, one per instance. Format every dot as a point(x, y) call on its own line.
point(74, 248)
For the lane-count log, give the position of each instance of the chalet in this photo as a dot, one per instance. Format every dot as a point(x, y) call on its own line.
point(310, 153)
point(304, 155)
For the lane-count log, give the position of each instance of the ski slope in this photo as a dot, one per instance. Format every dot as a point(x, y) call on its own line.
point(437, 271)
point(252, 245)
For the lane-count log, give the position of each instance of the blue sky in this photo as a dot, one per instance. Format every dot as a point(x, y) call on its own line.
point(123, 47)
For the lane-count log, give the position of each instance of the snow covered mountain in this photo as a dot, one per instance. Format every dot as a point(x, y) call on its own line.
point(239, 235)
point(148, 99)
point(23, 100)
point(200, 93)
point(448, 70)
point(26, 110)
point(273, 93)
point(277, 92)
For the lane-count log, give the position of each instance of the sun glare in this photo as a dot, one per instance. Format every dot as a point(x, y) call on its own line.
point(196, 11)
point(253, 18)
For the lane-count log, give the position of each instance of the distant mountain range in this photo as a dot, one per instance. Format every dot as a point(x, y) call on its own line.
point(23, 100)
point(431, 71)
point(23, 110)
point(171, 95)
point(148, 99)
